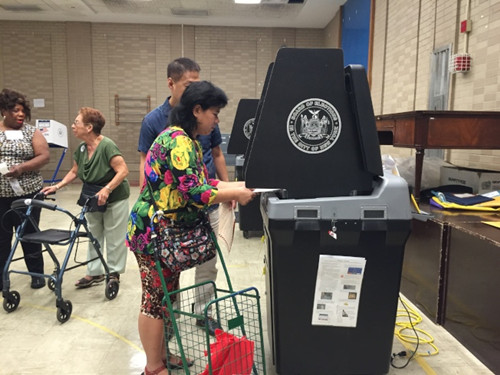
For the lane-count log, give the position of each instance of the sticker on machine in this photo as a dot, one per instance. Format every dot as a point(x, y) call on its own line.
point(338, 290)
point(313, 126)
point(248, 127)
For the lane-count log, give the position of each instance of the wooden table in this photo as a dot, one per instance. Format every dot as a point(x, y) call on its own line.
point(450, 272)
point(438, 130)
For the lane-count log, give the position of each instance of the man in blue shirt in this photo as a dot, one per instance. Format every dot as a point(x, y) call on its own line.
point(180, 73)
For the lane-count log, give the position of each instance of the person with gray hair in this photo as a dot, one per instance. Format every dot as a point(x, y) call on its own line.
point(99, 162)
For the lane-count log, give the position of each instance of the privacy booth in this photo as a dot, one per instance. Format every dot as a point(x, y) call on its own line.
point(249, 216)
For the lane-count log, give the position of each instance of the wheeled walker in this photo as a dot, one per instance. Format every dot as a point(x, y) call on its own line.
point(238, 346)
point(61, 237)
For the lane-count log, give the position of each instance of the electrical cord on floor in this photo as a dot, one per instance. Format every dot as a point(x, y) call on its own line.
point(414, 318)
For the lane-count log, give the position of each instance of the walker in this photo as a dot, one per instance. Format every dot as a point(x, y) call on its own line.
point(24, 208)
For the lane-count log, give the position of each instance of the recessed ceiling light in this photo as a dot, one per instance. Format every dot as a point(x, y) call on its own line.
point(247, 1)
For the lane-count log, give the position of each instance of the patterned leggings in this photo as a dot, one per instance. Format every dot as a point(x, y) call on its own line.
point(152, 291)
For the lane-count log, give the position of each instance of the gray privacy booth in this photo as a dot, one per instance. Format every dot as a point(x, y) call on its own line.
point(335, 226)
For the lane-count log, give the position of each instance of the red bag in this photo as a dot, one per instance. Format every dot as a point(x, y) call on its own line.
point(230, 355)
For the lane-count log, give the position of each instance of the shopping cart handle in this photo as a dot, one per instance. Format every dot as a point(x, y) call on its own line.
point(20, 203)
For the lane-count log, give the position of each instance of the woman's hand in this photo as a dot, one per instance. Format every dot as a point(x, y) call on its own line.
point(49, 189)
point(102, 196)
point(15, 171)
point(244, 195)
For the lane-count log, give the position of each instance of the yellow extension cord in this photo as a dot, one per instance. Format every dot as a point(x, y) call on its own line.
point(423, 338)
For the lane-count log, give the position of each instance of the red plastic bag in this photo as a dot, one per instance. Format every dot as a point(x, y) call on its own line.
point(230, 355)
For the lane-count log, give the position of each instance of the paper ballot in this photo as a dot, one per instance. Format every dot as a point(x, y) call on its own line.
point(338, 290)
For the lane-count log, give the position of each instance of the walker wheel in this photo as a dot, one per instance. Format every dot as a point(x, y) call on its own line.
point(51, 283)
point(112, 288)
point(11, 302)
point(64, 311)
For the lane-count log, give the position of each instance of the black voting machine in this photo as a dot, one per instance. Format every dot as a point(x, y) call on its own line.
point(249, 216)
point(315, 140)
point(312, 84)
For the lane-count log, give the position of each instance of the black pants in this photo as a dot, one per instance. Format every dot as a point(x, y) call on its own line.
point(32, 251)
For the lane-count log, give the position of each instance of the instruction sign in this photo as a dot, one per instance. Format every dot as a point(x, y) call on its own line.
point(338, 290)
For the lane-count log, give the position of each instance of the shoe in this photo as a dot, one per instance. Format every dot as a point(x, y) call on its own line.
point(173, 365)
point(85, 283)
point(114, 276)
point(154, 372)
point(37, 282)
point(211, 325)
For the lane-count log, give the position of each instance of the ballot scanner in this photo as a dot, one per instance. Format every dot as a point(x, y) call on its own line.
point(335, 226)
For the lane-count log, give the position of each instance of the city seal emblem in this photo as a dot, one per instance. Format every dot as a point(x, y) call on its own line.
point(313, 126)
point(248, 127)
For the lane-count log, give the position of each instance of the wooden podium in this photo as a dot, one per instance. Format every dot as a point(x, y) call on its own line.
point(438, 130)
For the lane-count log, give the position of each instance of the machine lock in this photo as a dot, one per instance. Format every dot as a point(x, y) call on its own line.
point(333, 232)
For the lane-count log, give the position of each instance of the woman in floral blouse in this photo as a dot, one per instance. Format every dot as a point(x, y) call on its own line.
point(174, 168)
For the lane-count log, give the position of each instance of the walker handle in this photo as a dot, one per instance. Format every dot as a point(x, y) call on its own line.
point(33, 202)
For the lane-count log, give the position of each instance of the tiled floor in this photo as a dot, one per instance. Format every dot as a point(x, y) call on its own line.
point(101, 335)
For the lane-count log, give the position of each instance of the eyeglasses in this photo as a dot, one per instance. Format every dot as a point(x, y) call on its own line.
point(77, 122)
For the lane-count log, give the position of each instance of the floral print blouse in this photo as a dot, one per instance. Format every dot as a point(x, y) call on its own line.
point(179, 181)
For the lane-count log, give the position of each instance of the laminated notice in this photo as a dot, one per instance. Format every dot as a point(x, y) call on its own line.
point(338, 290)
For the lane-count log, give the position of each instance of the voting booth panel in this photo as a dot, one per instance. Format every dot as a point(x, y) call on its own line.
point(335, 227)
point(308, 121)
point(250, 219)
point(243, 126)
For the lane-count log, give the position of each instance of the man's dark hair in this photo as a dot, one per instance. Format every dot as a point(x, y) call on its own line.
point(178, 67)
point(203, 93)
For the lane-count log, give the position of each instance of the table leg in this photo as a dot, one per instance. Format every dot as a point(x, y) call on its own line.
point(419, 161)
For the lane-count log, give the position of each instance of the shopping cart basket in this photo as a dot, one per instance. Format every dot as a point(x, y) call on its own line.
point(63, 237)
point(237, 348)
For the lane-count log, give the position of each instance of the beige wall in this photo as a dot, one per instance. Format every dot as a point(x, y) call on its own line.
point(406, 33)
point(72, 65)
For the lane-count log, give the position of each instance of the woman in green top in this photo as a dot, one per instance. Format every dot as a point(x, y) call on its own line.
point(97, 160)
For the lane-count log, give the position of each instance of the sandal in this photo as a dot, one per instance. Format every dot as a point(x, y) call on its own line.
point(171, 365)
point(178, 365)
point(114, 276)
point(85, 283)
point(154, 372)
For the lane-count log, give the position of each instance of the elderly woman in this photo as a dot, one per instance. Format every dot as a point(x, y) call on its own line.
point(23, 152)
point(98, 161)
point(174, 167)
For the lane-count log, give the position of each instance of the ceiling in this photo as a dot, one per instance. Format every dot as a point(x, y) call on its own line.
point(270, 13)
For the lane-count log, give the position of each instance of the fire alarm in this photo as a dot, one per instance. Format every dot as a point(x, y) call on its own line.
point(465, 26)
point(460, 63)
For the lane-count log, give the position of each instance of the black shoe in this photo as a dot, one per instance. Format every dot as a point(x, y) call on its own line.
point(211, 325)
point(37, 282)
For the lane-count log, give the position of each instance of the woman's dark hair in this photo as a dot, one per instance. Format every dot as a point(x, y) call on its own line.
point(203, 93)
point(93, 116)
point(10, 98)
